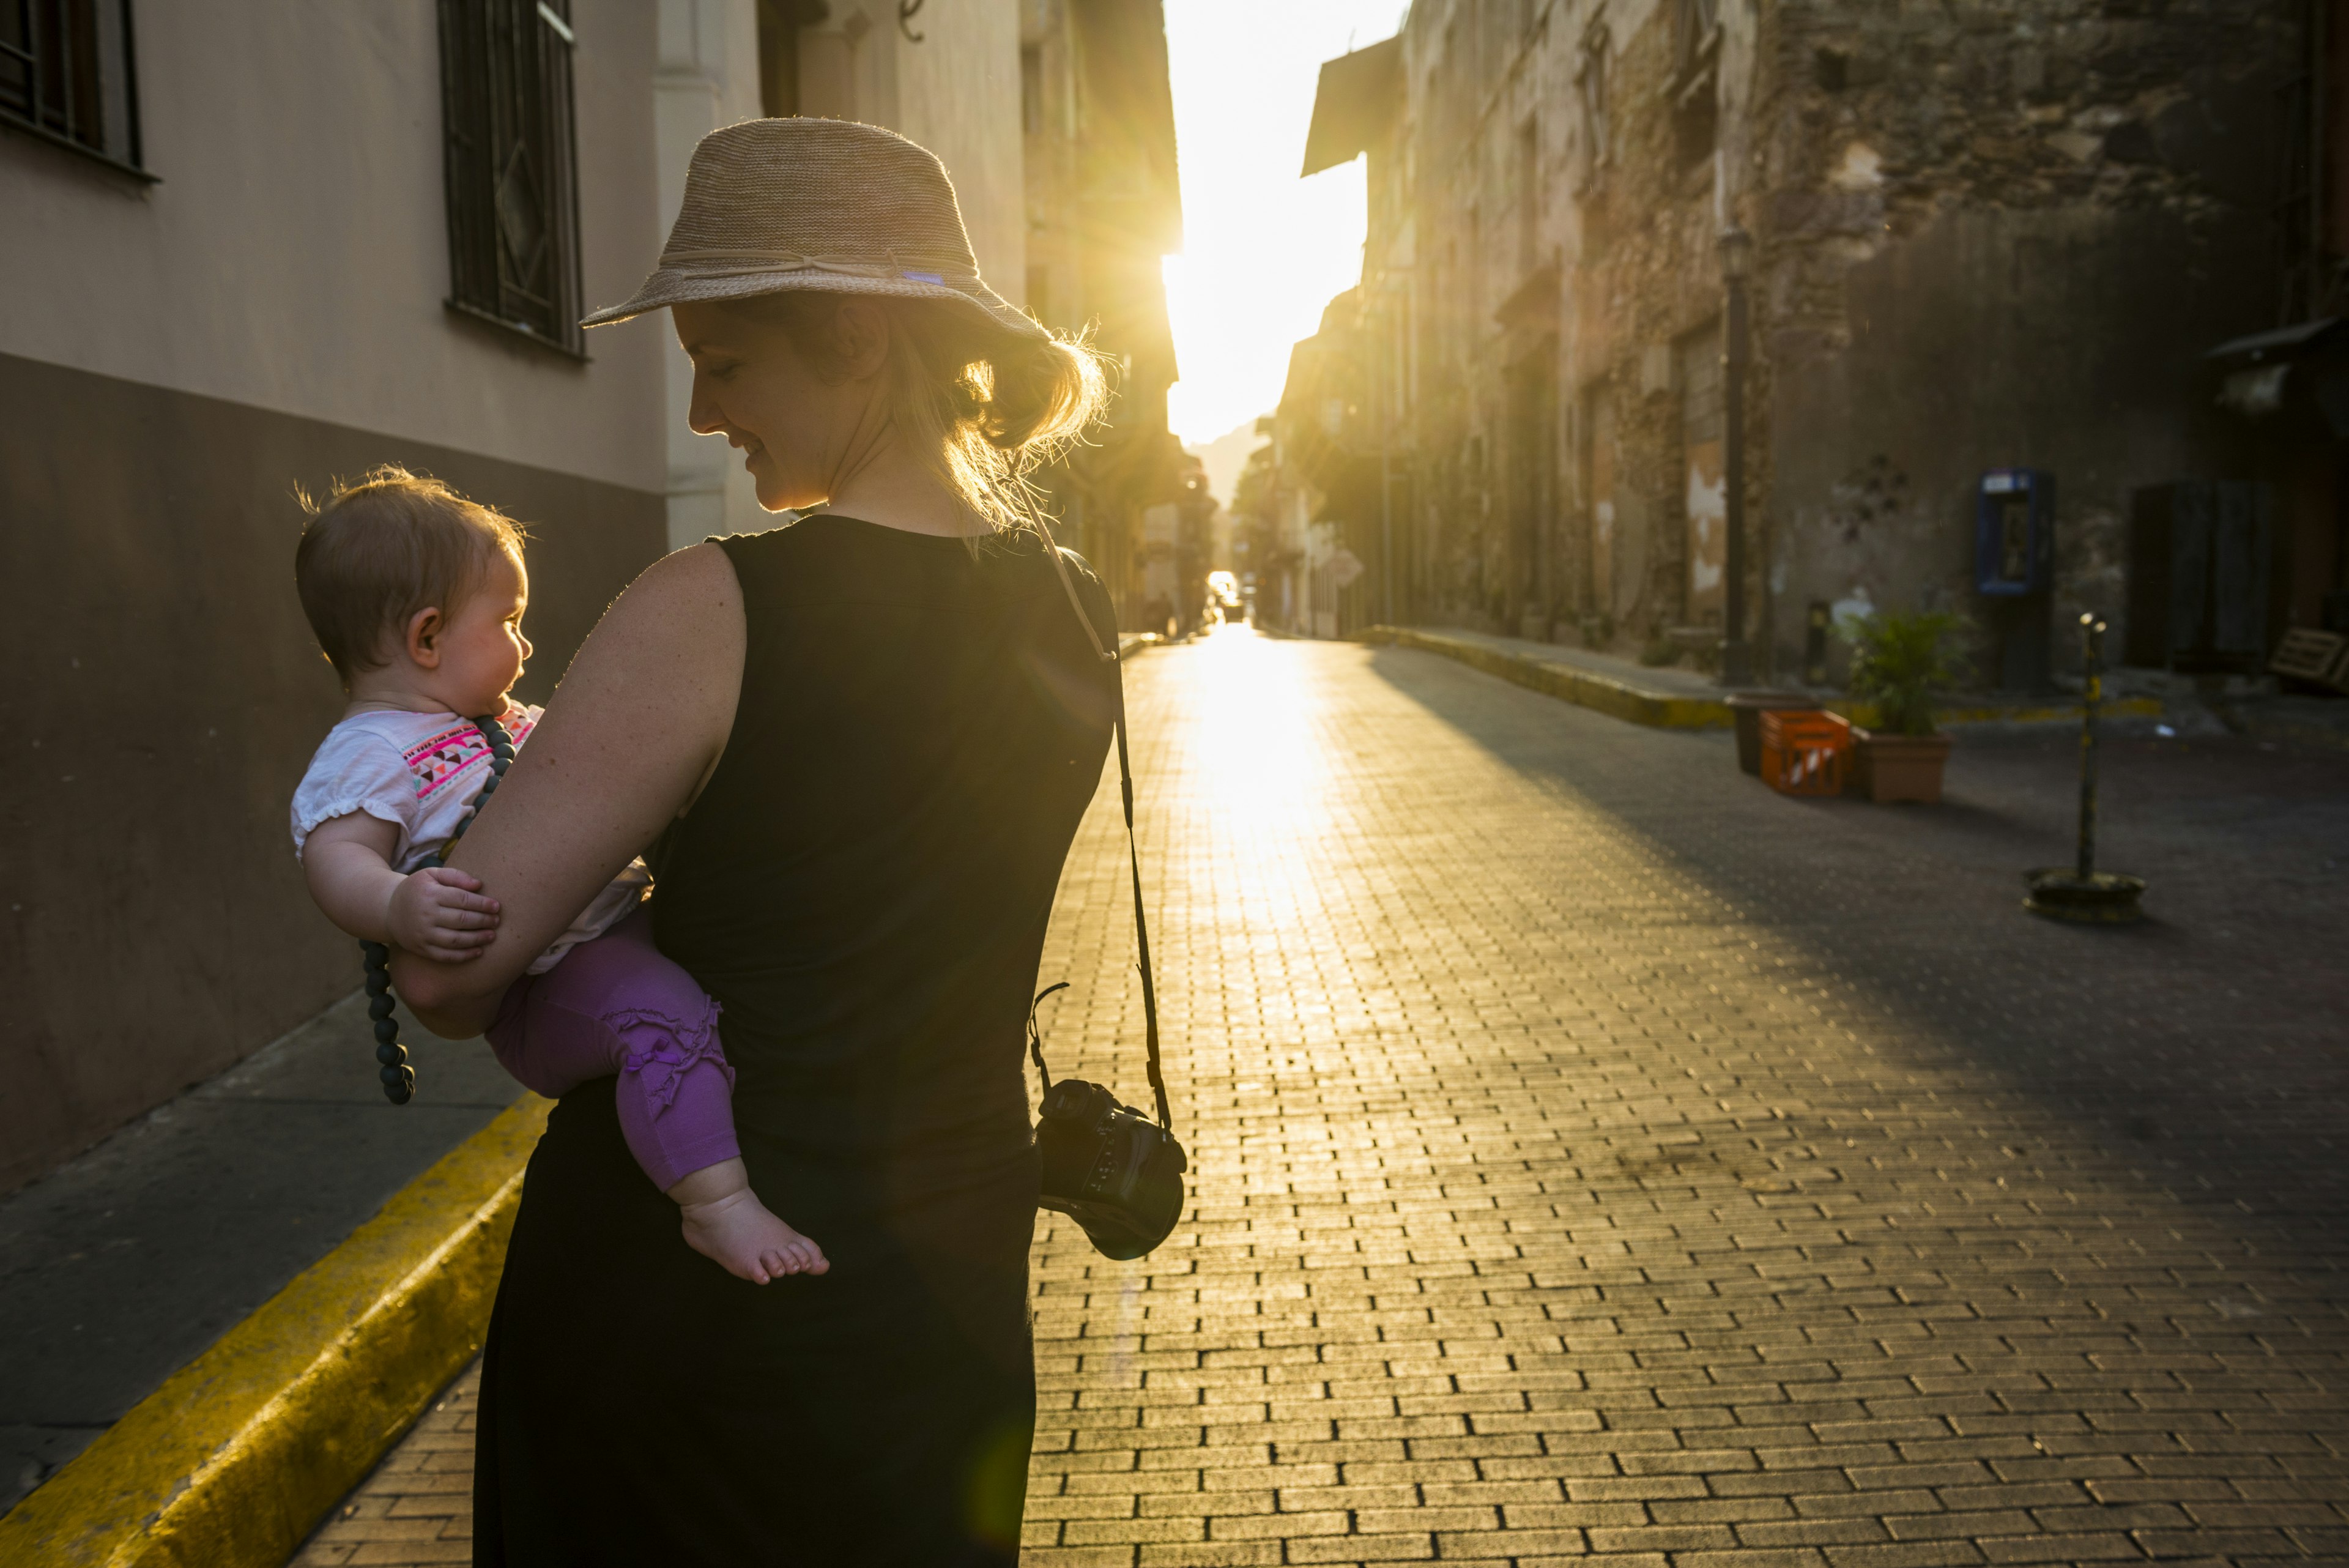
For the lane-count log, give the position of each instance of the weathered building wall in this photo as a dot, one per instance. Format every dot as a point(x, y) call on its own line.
point(1988, 233)
point(1643, 278)
point(2065, 339)
point(2002, 236)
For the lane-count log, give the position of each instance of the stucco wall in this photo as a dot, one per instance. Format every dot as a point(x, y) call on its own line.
point(294, 256)
point(175, 358)
point(162, 695)
point(959, 95)
point(708, 78)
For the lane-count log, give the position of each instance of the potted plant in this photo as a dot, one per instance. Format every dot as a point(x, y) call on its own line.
point(1896, 661)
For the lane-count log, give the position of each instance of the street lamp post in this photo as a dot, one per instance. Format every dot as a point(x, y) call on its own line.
point(1736, 248)
point(1383, 391)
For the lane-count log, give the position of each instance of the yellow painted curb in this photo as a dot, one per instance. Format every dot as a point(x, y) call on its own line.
point(1618, 699)
point(239, 1454)
point(2039, 714)
point(1665, 710)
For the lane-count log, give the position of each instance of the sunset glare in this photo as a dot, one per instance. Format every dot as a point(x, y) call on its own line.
point(1262, 251)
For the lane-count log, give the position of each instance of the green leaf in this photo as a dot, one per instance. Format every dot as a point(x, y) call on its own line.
point(1898, 661)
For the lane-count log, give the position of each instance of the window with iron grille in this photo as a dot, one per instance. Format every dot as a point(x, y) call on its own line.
point(1590, 90)
point(1696, 32)
point(65, 74)
point(1696, 79)
point(513, 200)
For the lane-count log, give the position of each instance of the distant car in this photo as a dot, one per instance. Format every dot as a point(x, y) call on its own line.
point(1224, 590)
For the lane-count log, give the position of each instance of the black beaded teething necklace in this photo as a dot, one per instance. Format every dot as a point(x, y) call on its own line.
point(398, 1077)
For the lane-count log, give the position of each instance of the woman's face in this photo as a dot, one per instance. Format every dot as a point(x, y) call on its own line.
point(793, 425)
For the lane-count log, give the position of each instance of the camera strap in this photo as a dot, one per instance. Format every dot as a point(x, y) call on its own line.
point(1133, 853)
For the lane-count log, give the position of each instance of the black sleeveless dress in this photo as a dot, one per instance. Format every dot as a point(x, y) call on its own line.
point(863, 886)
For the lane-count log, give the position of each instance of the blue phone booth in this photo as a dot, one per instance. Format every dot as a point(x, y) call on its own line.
point(2015, 531)
point(2015, 569)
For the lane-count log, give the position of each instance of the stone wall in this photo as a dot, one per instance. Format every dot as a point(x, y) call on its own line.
point(2001, 235)
point(1989, 234)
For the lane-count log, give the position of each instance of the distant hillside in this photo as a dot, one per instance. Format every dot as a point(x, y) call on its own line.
point(1226, 455)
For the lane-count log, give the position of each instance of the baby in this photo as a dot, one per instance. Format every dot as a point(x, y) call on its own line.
point(417, 596)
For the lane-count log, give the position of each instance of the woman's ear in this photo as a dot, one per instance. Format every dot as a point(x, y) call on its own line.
point(860, 337)
point(423, 641)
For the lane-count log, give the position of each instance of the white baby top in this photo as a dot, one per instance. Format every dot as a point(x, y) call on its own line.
point(421, 773)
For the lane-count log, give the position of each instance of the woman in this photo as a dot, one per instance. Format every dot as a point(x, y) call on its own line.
point(886, 721)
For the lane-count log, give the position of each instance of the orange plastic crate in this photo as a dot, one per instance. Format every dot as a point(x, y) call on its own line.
point(1804, 752)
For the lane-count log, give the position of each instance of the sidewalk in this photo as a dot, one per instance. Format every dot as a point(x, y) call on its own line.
point(120, 1268)
point(1669, 680)
point(1671, 698)
point(1665, 699)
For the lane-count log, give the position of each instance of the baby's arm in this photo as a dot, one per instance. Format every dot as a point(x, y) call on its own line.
point(436, 912)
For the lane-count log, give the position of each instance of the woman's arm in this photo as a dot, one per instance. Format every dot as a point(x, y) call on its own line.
point(637, 725)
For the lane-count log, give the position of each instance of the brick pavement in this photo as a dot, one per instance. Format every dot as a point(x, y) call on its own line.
point(1600, 1159)
point(418, 1507)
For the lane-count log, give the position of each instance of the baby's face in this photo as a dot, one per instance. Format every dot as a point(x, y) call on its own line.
point(481, 652)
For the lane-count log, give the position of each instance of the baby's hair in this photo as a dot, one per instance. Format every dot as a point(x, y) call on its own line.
point(383, 547)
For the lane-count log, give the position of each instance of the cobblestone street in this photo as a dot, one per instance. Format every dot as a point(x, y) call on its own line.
point(1597, 1156)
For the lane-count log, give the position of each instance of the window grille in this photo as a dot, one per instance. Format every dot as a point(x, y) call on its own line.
point(1529, 195)
point(1031, 90)
point(1696, 30)
point(66, 74)
point(1590, 91)
point(1695, 90)
point(509, 166)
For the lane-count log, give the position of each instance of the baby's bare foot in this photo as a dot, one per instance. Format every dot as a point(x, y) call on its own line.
point(743, 1236)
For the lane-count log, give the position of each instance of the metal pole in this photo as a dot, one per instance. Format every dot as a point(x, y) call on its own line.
point(2091, 631)
point(1386, 479)
point(1736, 659)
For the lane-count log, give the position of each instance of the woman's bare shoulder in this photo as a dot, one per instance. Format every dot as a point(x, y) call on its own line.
point(682, 615)
point(674, 639)
point(697, 578)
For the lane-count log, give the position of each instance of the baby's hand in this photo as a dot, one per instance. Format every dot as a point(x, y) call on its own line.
point(441, 914)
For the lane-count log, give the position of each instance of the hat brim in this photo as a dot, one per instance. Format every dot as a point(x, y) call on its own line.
point(671, 285)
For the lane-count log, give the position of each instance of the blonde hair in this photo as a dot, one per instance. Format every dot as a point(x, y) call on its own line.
point(984, 407)
point(383, 547)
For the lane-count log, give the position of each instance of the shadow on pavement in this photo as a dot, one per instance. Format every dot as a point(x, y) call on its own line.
point(2209, 1043)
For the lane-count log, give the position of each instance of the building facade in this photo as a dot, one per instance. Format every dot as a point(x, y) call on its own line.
point(1103, 210)
point(272, 259)
point(1319, 502)
point(1990, 236)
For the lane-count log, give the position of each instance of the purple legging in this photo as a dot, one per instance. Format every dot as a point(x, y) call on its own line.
point(616, 1006)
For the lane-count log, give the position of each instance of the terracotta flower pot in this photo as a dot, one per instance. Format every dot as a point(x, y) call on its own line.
point(1898, 767)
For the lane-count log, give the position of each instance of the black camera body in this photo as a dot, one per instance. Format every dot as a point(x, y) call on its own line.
point(1112, 1169)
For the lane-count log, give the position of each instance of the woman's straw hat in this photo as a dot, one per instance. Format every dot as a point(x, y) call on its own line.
point(829, 204)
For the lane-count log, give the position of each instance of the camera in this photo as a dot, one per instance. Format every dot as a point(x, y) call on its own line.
point(1112, 1169)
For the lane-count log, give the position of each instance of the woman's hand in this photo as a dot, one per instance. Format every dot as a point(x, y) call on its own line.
point(637, 725)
